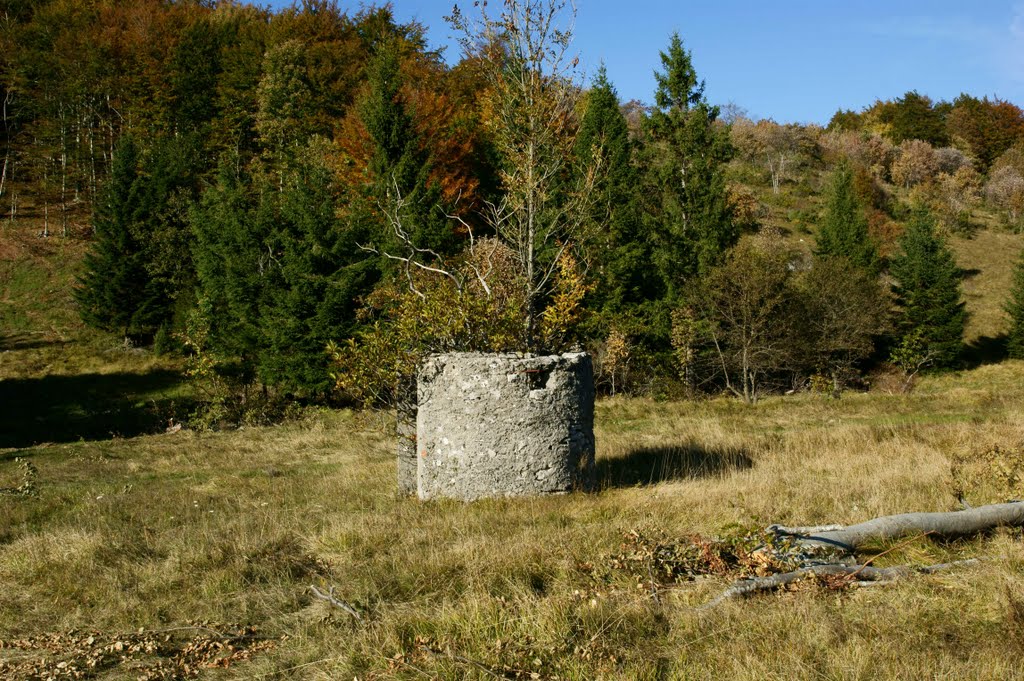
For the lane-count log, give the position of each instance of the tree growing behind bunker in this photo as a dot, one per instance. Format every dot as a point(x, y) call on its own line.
point(526, 272)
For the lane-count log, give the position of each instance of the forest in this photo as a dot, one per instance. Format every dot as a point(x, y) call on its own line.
point(305, 202)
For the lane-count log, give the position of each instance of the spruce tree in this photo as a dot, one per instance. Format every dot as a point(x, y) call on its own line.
point(1015, 308)
point(686, 178)
point(139, 266)
point(116, 293)
point(315, 283)
point(231, 224)
point(400, 162)
point(621, 249)
point(844, 228)
point(928, 292)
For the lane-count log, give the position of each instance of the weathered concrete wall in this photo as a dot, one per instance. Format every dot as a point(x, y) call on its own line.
point(504, 425)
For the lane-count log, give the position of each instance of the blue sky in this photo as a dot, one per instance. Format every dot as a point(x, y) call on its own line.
point(792, 60)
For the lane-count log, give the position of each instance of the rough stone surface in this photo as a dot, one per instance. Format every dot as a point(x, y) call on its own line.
point(504, 425)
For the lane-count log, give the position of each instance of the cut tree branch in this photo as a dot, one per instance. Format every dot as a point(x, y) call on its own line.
point(807, 544)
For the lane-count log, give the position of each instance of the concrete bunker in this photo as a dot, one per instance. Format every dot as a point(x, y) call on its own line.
point(493, 425)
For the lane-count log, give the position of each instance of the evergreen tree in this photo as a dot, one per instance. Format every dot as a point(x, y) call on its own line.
point(621, 249)
point(686, 179)
point(194, 71)
point(279, 274)
point(844, 228)
point(928, 292)
point(116, 292)
point(400, 162)
point(231, 224)
point(282, 118)
point(1015, 308)
point(316, 281)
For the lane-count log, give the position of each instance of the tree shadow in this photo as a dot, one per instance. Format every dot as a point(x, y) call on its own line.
point(651, 465)
point(985, 350)
point(86, 406)
point(25, 341)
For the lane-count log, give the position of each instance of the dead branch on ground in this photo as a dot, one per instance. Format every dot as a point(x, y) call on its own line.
point(329, 598)
point(830, 551)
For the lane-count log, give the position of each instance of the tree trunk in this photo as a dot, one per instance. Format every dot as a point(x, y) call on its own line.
point(949, 524)
point(3, 172)
point(7, 144)
point(860, 573)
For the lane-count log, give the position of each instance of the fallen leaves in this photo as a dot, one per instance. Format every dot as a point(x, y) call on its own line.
point(152, 655)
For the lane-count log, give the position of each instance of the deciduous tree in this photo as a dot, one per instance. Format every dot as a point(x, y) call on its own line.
point(984, 128)
point(532, 100)
point(845, 309)
point(752, 318)
point(1005, 190)
point(915, 117)
point(916, 164)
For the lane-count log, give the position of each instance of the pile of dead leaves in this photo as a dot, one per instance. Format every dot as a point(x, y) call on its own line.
point(655, 560)
point(158, 655)
point(27, 488)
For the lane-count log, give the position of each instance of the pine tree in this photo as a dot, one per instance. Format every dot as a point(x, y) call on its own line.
point(844, 228)
point(1015, 308)
point(686, 179)
point(928, 292)
point(115, 292)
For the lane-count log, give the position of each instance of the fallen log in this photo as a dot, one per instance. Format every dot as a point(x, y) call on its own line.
point(949, 524)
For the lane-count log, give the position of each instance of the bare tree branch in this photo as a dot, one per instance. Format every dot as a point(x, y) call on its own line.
point(865, 573)
point(329, 597)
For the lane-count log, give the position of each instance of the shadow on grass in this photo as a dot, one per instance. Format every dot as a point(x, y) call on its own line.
point(652, 465)
point(24, 341)
point(985, 350)
point(86, 406)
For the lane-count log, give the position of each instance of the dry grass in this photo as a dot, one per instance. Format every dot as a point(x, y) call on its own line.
point(158, 531)
point(987, 259)
point(162, 531)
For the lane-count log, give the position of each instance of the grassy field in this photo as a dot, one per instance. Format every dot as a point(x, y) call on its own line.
point(127, 552)
point(187, 533)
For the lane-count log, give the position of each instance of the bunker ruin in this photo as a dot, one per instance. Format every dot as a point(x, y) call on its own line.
point(495, 425)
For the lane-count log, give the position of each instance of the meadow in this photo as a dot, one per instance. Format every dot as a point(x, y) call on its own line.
point(130, 549)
